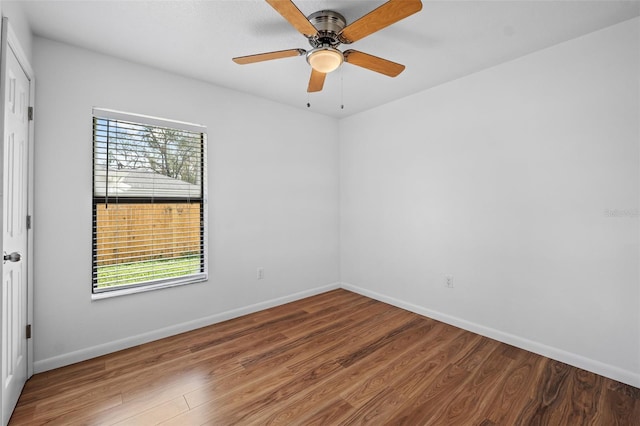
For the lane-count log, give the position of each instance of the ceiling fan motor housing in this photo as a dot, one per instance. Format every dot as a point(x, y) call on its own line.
point(329, 24)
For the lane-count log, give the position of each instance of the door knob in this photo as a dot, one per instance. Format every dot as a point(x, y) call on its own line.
point(13, 257)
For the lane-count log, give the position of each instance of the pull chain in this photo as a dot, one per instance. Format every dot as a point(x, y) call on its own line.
point(341, 88)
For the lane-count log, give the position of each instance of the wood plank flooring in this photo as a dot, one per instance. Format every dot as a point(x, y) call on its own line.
point(335, 358)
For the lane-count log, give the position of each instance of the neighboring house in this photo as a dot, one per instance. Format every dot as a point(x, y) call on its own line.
point(140, 183)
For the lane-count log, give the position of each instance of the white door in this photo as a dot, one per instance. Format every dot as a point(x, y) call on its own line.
point(14, 237)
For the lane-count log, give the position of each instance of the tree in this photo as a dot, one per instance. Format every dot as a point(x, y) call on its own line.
point(173, 153)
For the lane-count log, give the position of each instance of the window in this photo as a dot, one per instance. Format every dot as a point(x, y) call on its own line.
point(149, 203)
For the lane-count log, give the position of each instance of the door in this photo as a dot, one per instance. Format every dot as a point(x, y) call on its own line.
point(14, 226)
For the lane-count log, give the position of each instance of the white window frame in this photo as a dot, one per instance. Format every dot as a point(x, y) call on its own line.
point(110, 114)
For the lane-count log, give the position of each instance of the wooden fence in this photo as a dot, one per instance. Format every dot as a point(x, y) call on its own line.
point(146, 231)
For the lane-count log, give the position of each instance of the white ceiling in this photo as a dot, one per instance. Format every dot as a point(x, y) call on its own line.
point(446, 40)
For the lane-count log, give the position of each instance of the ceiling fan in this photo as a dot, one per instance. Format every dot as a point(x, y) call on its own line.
point(326, 30)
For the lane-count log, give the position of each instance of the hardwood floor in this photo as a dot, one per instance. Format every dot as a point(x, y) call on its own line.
point(335, 358)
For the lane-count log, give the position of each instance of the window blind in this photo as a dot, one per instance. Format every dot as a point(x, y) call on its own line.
point(148, 202)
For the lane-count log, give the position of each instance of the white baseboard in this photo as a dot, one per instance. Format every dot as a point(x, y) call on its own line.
point(117, 345)
point(573, 359)
point(570, 358)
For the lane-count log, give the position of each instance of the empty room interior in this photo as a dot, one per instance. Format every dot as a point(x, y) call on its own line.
point(321, 212)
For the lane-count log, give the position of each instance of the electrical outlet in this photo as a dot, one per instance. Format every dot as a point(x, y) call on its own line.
point(448, 281)
point(260, 273)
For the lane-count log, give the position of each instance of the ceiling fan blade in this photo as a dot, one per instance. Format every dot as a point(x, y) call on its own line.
point(316, 82)
point(250, 59)
point(373, 63)
point(291, 13)
point(385, 15)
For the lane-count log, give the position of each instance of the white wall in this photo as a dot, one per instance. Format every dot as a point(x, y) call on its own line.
point(19, 24)
point(508, 180)
point(273, 203)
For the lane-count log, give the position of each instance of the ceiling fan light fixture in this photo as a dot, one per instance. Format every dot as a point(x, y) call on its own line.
point(325, 59)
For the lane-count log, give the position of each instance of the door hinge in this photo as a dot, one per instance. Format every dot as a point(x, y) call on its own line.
point(29, 331)
point(28, 221)
point(30, 113)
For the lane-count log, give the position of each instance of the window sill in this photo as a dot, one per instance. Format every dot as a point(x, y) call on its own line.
point(108, 294)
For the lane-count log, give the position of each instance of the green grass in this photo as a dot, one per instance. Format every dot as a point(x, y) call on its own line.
point(149, 270)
